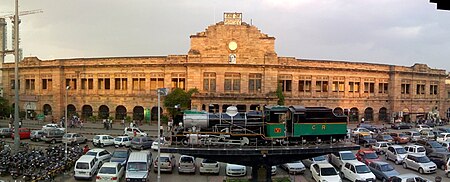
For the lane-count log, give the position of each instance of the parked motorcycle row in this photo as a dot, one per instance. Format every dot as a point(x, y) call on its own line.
point(36, 165)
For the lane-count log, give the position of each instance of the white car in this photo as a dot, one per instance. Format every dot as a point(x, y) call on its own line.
point(186, 164)
point(324, 172)
point(314, 160)
point(415, 149)
point(381, 147)
point(129, 131)
point(163, 142)
point(122, 141)
point(421, 127)
point(294, 167)
point(409, 178)
point(396, 153)
point(100, 154)
point(102, 140)
point(51, 126)
point(357, 171)
point(420, 163)
point(273, 170)
point(209, 166)
point(235, 170)
point(443, 137)
point(111, 172)
point(357, 131)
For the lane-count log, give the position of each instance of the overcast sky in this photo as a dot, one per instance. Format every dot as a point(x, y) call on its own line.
point(398, 32)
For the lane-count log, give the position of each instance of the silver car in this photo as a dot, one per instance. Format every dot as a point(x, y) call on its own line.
point(419, 163)
point(74, 138)
point(36, 135)
point(396, 153)
point(294, 167)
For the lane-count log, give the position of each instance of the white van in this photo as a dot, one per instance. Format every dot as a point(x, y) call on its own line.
point(137, 167)
point(86, 167)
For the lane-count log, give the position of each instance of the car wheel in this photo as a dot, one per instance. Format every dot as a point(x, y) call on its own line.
point(53, 141)
point(397, 162)
point(386, 157)
point(142, 147)
point(421, 171)
point(448, 175)
point(405, 166)
point(443, 167)
point(102, 145)
point(342, 175)
point(398, 128)
point(384, 180)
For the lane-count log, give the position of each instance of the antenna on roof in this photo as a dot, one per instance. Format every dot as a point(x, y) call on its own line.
point(251, 22)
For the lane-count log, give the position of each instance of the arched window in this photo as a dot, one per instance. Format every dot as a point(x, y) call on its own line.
point(338, 111)
point(103, 112)
point(138, 113)
point(368, 114)
point(71, 110)
point(383, 114)
point(121, 112)
point(354, 115)
point(86, 111)
point(47, 109)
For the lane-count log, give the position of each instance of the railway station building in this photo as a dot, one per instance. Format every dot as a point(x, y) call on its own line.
point(230, 63)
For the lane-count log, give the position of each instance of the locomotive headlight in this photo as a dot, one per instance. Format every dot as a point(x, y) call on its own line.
point(319, 140)
point(334, 139)
point(303, 141)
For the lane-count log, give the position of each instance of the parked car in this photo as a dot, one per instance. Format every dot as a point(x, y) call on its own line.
point(415, 149)
point(382, 170)
point(130, 131)
point(413, 135)
point(120, 156)
point(163, 142)
point(111, 172)
point(384, 138)
point(186, 164)
point(102, 140)
point(365, 140)
point(324, 172)
point(36, 135)
point(141, 143)
point(367, 156)
point(138, 167)
point(122, 141)
point(52, 135)
point(273, 170)
point(296, 167)
point(409, 178)
point(338, 159)
point(440, 158)
point(74, 138)
point(399, 138)
point(443, 137)
point(5, 132)
point(381, 147)
point(101, 154)
point(209, 166)
point(53, 126)
point(431, 146)
point(444, 130)
point(421, 127)
point(370, 127)
point(357, 171)
point(24, 133)
point(319, 159)
point(167, 163)
point(86, 167)
point(235, 170)
point(357, 131)
point(396, 153)
point(420, 163)
point(446, 144)
point(401, 125)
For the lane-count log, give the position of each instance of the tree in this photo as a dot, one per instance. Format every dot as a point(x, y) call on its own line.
point(178, 97)
point(5, 108)
point(280, 95)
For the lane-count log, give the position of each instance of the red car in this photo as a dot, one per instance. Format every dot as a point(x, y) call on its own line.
point(23, 133)
point(367, 156)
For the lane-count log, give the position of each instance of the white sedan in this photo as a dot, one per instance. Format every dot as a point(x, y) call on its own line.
point(294, 167)
point(324, 172)
point(51, 126)
point(235, 170)
point(111, 171)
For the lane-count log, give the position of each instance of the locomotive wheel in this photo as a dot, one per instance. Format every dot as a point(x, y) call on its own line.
point(185, 142)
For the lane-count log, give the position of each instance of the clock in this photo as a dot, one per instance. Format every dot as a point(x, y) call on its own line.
point(232, 45)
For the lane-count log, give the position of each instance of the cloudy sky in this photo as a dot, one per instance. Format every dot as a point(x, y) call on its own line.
point(398, 32)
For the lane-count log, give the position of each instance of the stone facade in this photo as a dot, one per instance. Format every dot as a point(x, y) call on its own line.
point(230, 64)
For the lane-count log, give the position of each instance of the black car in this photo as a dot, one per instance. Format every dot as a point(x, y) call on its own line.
point(369, 127)
point(365, 140)
point(120, 156)
point(431, 146)
point(439, 158)
point(401, 125)
point(444, 130)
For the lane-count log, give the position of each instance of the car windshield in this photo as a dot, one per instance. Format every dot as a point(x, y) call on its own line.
point(435, 145)
point(92, 153)
point(371, 156)
point(420, 149)
point(164, 159)
point(348, 156)
point(82, 165)
point(137, 166)
point(120, 154)
point(386, 167)
point(118, 139)
point(400, 150)
point(107, 170)
point(383, 144)
point(423, 159)
point(367, 137)
point(136, 139)
point(187, 160)
point(387, 137)
point(415, 134)
point(208, 161)
point(67, 136)
point(329, 171)
point(361, 169)
point(401, 135)
point(97, 137)
point(363, 130)
point(319, 158)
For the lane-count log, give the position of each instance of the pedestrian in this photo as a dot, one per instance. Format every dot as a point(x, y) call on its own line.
point(134, 133)
point(10, 124)
point(131, 124)
point(123, 123)
point(169, 124)
point(81, 124)
point(20, 123)
point(104, 123)
point(85, 149)
point(110, 123)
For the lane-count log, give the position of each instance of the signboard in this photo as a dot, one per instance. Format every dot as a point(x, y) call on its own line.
point(232, 18)
point(40, 117)
point(147, 115)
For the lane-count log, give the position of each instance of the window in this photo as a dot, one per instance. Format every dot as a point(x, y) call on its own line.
point(120, 83)
point(138, 84)
point(178, 80)
point(285, 82)
point(156, 81)
point(209, 82)
point(104, 83)
point(322, 84)
point(369, 86)
point(405, 88)
point(420, 88)
point(13, 84)
point(433, 88)
point(338, 84)
point(254, 82)
point(87, 83)
point(383, 87)
point(232, 82)
point(29, 84)
point(72, 83)
point(304, 84)
point(354, 86)
point(47, 84)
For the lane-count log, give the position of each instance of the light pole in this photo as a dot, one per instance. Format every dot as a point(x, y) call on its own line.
point(16, 79)
point(67, 101)
point(164, 92)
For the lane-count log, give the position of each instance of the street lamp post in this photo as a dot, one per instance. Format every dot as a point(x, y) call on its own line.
point(66, 112)
point(164, 92)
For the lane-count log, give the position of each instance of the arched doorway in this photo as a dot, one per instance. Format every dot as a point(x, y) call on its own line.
point(405, 115)
point(47, 109)
point(103, 112)
point(241, 108)
point(368, 114)
point(121, 112)
point(354, 115)
point(71, 110)
point(383, 114)
point(154, 112)
point(138, 113)
point(338, 111)
point(86, 111)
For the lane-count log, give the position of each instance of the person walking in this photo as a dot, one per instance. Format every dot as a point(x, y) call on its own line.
point(81, 124)
point(20, 123)
point(123, 123)
point(110, 123)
